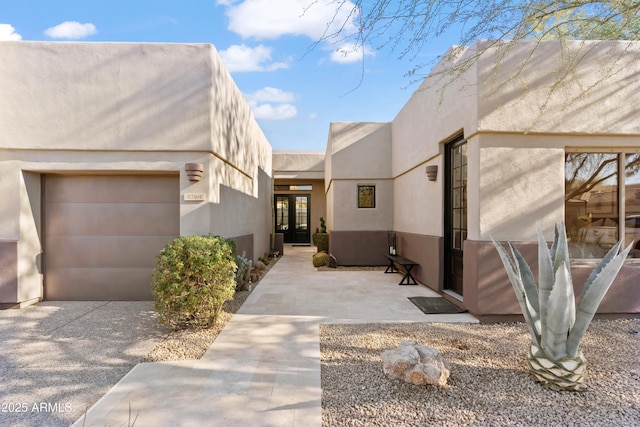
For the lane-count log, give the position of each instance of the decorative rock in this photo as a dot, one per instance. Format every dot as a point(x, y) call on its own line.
point(416, 364)
point(260, 265)
point(333, 262)
point(255, 276)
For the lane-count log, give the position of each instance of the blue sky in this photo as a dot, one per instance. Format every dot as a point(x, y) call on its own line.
point(295, 89)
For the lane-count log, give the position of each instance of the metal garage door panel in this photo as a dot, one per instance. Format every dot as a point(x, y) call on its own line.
point(104, 251)
point(107, 284)
point(96, 219)
point(102, 234)
point(111, 188)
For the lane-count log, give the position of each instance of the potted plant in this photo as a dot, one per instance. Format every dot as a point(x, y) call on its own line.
point(321, 237)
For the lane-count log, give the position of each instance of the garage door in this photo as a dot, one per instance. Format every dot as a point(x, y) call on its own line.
point(102, 234)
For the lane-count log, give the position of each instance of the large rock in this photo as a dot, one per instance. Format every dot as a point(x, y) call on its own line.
point(416, 364)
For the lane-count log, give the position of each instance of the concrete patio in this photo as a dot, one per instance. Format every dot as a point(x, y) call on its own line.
point(264, 368)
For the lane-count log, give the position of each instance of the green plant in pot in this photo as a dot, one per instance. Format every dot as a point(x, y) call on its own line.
point(321, 239)
point(556, 326)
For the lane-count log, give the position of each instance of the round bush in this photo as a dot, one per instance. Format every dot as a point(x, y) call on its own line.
point(194, 277)
point(320, 259)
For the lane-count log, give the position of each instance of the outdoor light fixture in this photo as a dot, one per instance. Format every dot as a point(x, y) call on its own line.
point(432, 172)
point(194, 171)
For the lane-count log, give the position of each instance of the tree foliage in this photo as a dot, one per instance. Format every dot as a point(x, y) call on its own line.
point(408, 26)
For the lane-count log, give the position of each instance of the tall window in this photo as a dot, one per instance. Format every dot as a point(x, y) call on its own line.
point(301, 213)
point(602, 202)
point(459, 195)
point(282, 213)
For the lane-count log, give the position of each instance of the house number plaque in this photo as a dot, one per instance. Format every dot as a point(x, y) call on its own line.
point(194, 197)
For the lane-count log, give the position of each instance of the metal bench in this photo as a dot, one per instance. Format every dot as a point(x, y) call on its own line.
point(407, 264)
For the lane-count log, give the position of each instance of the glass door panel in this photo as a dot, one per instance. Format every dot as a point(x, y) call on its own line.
point(455, 214)
point(291, 217)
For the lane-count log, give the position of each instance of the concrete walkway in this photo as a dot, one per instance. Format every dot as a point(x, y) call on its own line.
point(264, 368)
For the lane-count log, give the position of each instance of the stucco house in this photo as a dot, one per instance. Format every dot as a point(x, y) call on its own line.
point(95, 143)
point(98, 142)
point(532, 134)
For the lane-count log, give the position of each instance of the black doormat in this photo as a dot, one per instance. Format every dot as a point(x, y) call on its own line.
point(436, 305)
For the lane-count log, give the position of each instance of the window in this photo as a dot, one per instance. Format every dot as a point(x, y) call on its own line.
point(600, 189)
point(290, 187)
point(282, 213)
point(366, 196)
point(301, 213)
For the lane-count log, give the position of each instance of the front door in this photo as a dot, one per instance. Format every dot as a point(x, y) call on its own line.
point(292, 217)
point(455, 213)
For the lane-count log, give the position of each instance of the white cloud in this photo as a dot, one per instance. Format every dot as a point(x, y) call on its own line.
point(271, 94)
point(270, 19)
point(272, 103)
point(245, 58)
point(274, 112)
point(71, 30)
point(313, 116)
point(348, 53)
point(8, 33)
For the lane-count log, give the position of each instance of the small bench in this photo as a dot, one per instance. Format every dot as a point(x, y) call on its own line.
point(407, 264)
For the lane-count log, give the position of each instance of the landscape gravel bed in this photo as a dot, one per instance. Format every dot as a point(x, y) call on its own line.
point(190, 344)
point(489, 384)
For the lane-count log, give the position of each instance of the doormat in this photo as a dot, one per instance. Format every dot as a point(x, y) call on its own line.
point(436, 305)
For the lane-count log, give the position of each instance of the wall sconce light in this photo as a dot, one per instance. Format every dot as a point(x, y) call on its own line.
point(194, 171)
point(432, 172)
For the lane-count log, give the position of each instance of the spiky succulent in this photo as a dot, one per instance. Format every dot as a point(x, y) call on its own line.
point(555, 325)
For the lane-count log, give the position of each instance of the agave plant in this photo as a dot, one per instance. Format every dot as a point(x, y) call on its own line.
point(549, 309)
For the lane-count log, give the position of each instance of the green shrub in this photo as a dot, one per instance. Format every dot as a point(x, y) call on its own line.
point(194, 277)
point(320, 259)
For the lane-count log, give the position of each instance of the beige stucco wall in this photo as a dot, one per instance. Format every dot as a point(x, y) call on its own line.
point(418, 202)
point(517, 129)
point(576, 87)
point(358, 154)
point(347, 215)
point(438, 110)
point(128, 108)
point(298, 164)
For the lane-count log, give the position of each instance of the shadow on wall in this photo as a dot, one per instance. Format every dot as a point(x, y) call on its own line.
point(134, 96)
point(236, 213)
point(551, 85)
point(167, 110)
point(513, 194)
point(240, 214)
point(360, 150)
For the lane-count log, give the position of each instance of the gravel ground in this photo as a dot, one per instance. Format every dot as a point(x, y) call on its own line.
point(190, 344)
point(489, 384)
point(57, 358)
